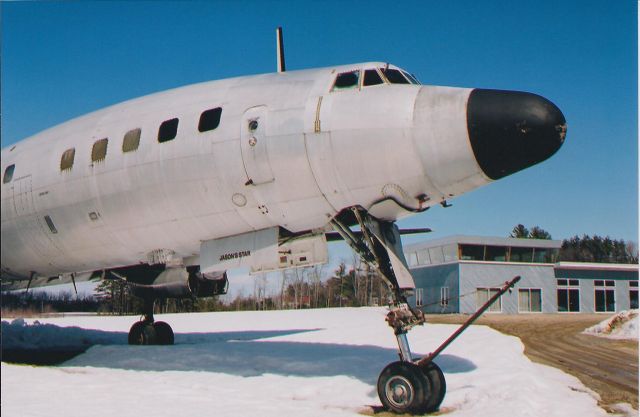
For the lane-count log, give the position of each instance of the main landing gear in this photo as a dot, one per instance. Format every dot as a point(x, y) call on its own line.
point(148, 331)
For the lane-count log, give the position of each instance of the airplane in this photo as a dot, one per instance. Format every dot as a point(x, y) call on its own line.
point(170, 191)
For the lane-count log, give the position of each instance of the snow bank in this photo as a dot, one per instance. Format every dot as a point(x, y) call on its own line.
point(279, 363)
point(40, 336)
point(623, 325)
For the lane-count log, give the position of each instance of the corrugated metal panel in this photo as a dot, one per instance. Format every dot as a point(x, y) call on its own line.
point(477, 275)
point(432, 279)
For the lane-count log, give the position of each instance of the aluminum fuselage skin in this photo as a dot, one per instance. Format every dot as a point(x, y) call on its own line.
point(315, 152)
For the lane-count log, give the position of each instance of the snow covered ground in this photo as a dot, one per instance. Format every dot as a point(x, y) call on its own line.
point(623, 325)
point(280, 363)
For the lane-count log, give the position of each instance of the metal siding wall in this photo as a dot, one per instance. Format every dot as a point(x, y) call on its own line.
point(477, 275)
point(587, 296)
point(433, 278)
point(623, 299)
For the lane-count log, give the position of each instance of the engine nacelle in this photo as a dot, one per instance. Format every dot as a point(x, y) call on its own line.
point(180, 283)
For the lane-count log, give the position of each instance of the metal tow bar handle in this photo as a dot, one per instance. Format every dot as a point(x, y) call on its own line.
point(506, 287)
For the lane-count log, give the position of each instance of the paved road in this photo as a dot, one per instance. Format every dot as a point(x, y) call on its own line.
point(609, 367)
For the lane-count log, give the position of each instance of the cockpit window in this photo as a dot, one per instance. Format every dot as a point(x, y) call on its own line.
point(411, 78)
point(346, 80)
point(394, 76)
point(371, 77)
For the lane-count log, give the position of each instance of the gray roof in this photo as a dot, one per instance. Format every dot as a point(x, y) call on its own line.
point(485, 240)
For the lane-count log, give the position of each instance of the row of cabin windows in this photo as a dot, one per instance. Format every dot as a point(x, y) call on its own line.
point(168, 130)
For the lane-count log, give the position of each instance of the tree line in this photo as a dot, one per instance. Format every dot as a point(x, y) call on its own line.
point(585, 248)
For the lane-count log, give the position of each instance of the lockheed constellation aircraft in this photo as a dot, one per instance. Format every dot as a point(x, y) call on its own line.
point(171, 190)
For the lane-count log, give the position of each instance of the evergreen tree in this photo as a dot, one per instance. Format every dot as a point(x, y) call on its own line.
point(520, 232)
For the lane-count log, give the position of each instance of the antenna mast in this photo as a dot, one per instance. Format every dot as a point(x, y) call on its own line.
point(280, 49)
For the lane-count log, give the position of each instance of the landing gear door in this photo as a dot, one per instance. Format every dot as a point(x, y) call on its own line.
point(253, 144)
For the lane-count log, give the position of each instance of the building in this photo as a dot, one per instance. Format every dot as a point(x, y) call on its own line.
point(458, 274)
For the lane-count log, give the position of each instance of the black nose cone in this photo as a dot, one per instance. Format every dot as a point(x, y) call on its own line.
point(510, 130)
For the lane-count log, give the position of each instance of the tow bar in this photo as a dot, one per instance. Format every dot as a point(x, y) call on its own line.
point(506, 287)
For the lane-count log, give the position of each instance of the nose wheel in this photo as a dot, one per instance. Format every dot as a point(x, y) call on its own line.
point(404, 387)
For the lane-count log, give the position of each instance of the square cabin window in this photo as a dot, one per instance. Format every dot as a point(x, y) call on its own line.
point(209, 119)
point(66, 161)
point(131, 140)
point(99, 150)
point(8, 173)
point(168, 130)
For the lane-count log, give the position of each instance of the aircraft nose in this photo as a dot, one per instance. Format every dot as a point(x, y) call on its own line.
point(511, 130)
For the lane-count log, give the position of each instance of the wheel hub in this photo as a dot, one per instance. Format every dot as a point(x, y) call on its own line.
point(399, 391)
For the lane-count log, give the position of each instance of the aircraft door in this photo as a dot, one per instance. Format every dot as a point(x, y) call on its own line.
point(31, 226)
point(253, 144)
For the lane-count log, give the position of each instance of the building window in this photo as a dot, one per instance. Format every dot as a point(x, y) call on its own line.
point(168, 130)
point(419, 297)
point(605, 295)
point(484, 294)
point(472, 252)
point(450, 253)
point(521, 254)
point(371, 77)
point(496, 253)
point(412, 259)
point(633, 294)
point(423, 257)
point(436, 255)
point(209, 119)
point(530, 300)
point(49, 222)
point(99, 150)
point(346, 80)
point(444, 296)
point(66, 161)
point(8, 173)
point(131, 140)
point(568, 295)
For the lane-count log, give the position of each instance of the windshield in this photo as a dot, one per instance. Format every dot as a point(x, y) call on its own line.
point(394, 76)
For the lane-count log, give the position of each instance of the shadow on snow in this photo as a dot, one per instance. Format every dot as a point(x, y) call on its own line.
point(244, 353)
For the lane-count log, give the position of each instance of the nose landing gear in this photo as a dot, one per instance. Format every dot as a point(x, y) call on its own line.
point(409, 385)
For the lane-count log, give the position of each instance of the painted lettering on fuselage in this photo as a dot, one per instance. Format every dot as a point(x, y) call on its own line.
point(235, 255)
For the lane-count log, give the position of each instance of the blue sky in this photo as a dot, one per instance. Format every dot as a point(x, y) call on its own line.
point(63, 59)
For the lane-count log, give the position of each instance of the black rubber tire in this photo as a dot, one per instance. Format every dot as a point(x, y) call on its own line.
point(142, 333)
point(438, 386)
point(164, 333)
point(404, 388)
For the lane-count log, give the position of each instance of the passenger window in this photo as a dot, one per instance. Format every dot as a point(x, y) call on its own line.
point(8, 173)
point(66, 162)
point(394, 76)
point(168, 130)
point(99, 150)
point(131, 140)
point(209, 119)
point(346, 80)
point(371, 77)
